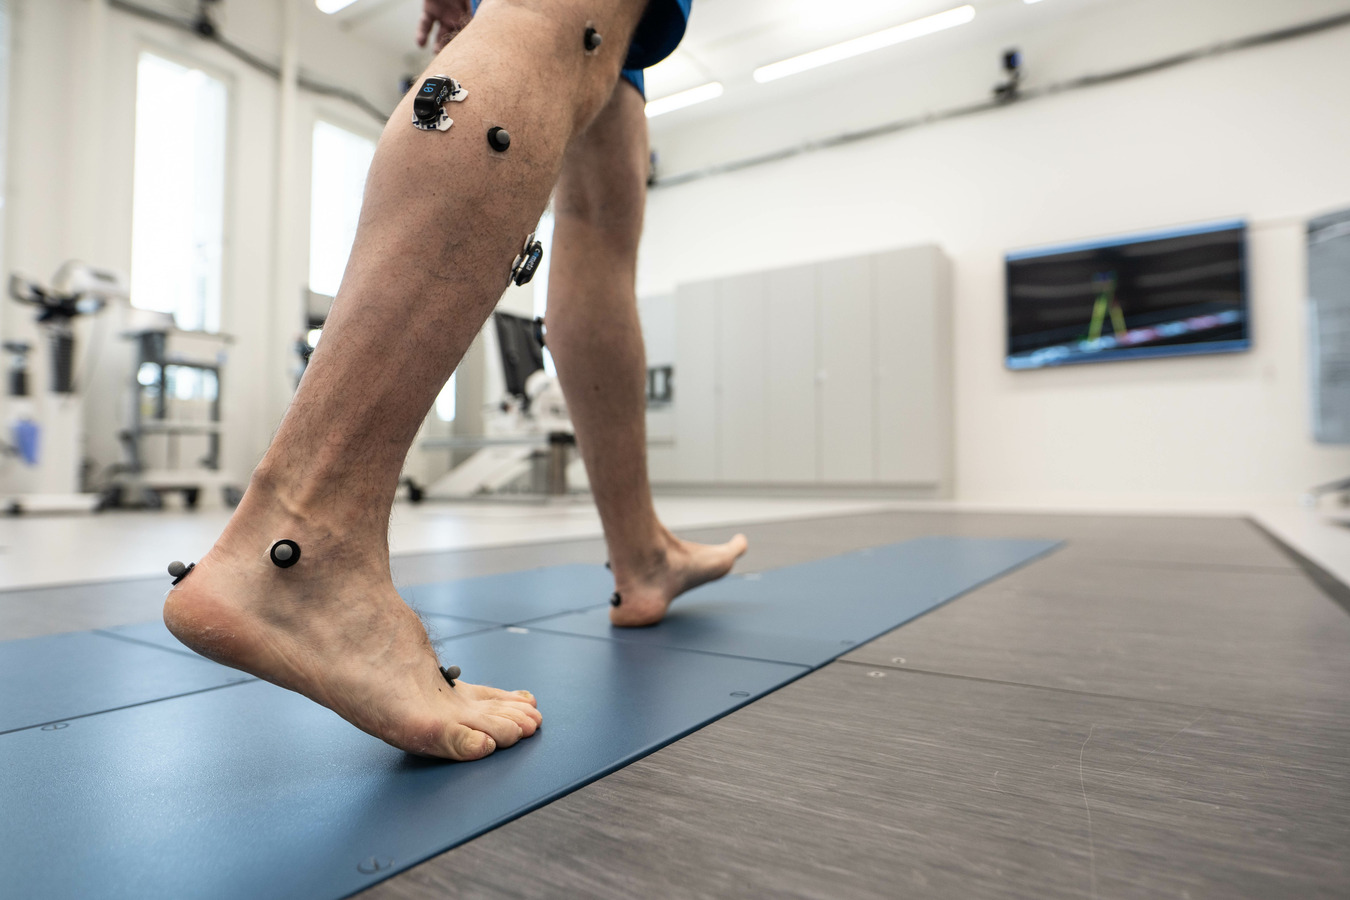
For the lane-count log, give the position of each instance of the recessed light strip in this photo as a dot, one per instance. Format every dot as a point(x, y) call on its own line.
point(332, 6)
point(710, 91)
point(867, 43)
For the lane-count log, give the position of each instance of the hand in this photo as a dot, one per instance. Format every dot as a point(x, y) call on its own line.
point(450, 15)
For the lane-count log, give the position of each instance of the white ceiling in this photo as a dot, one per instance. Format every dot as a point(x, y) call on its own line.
point(727, 39)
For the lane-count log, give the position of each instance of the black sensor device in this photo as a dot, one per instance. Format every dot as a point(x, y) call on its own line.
point(530, 258)
point(431, 99)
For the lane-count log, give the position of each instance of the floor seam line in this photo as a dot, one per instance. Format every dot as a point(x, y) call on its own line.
point(131, 640)
point(1045, 687)
point(114, 709)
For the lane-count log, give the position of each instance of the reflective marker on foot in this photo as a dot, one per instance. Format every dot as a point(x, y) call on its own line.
point(180, 571)
point(450, 673)
point(285, 553)
point(616, 599)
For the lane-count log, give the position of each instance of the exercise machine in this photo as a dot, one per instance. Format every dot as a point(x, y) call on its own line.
point(529, 445)
point(44, 448)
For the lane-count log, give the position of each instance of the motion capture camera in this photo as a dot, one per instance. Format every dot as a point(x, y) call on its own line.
point(429, 105)
point(527, 263)
point(1008, 90)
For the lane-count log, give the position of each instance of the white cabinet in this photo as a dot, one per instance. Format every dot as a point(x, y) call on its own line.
point(695, 388)
point(742, 388)
point(847, 394)
point(831, 374)
point(792, 407)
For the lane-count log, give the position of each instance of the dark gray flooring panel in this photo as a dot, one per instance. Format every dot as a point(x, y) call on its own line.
point(1175, 539)
point(811, 613)
point(515, 597)
point(63, 676)
point(844, 784)
point(256, 792)
point(154, 633)
point(1248, 640)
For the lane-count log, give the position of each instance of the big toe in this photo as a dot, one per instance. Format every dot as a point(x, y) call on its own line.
point(464, 744)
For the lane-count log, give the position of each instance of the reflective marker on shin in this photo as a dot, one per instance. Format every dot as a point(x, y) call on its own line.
point(592, 40)
point(285, 554)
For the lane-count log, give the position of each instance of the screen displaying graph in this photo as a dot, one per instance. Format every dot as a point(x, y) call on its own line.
point(1161, 294)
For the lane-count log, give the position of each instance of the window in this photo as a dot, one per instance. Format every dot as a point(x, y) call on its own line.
point(445, 403)
point(178, 203)
point(341, 161)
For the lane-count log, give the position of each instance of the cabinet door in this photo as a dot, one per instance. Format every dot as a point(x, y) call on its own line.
point(908, 288)
point(695, 397)
point(793, 431)
point(847, 392)
point(742, 409)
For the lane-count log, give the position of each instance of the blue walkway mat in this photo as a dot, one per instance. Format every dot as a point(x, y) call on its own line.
point(252, 791)
point(64, 676)
point(516, 597)
point(255, 792)
point(812, 613)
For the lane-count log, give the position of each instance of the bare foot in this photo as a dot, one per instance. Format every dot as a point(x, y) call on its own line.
point(333, 628)
point(644, 591)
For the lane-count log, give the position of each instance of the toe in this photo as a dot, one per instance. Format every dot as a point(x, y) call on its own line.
point(524, 715)
point(504, 730)
point(483, 692)
point(463, 743)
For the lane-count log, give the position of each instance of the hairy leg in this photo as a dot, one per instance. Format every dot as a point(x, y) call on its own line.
point(443, 217)
point(595, 338)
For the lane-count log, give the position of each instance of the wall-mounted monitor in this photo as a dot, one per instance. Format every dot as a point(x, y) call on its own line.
point(1169, 293)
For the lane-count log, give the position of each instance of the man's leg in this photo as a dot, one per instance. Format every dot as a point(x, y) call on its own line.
point(595, 338)
point(444, 215)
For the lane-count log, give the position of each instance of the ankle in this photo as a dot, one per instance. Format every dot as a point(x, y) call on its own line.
point(647, 558)
point(274, 508)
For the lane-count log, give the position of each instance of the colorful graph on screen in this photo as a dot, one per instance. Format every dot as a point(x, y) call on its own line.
point(1160, 294)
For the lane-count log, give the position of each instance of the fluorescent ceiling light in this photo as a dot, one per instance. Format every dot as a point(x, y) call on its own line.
point(710, 91)
point(866, 44)
point(332, 6)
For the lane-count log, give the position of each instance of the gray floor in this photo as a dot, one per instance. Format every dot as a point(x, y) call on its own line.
point(1162, 707)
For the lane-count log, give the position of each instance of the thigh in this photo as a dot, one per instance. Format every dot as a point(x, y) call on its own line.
point(604, 174)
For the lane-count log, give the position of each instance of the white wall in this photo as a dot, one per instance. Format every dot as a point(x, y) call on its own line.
point(1261, 134)
point(70, 178)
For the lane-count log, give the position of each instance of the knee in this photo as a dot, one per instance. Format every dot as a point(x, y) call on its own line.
point(556, 32)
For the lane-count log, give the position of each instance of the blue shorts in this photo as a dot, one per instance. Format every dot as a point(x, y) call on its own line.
point(657, 36)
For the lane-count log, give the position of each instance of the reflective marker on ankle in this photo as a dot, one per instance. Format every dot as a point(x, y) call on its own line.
point(180, 571)
point(285, 554)
point(450, 673)
point(616, 599)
